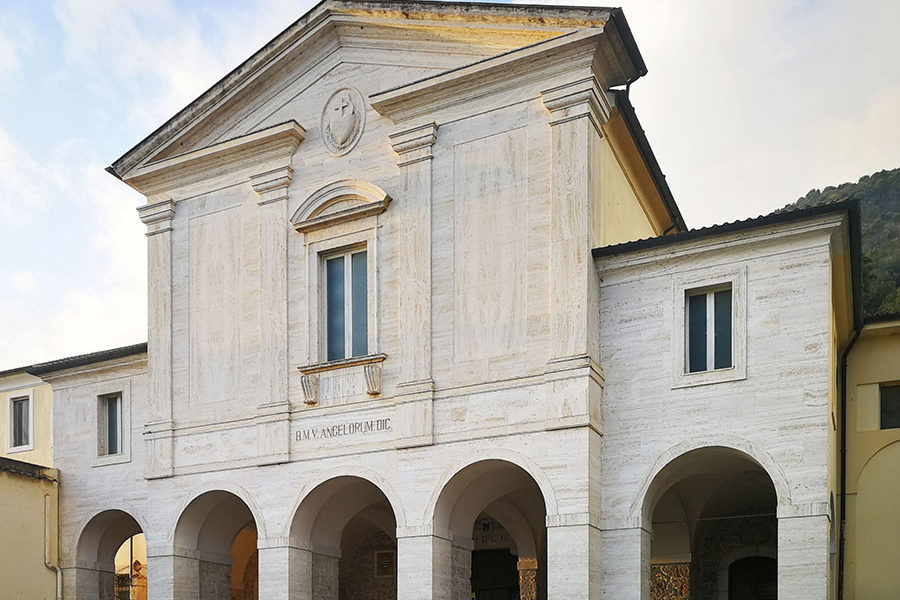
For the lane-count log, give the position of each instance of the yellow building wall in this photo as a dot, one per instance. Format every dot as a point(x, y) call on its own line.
point(22, 384)
point(28, 531)
point(873, 469)
point(622, 218)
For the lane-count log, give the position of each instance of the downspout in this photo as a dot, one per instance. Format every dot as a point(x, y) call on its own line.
point(47, 564)
point(843, 522)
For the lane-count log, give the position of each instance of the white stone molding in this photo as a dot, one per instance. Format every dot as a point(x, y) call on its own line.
point(414, 145)
point(579, 99)
point(339, 202)
point(272, 186)
point(157, 216)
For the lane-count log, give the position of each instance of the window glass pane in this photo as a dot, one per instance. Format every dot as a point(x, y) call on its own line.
point(334, 307)
point(20, 422)
point(697, 333)
point(723, 329)
point(890, 407)
point(360, 317)
point(112, 425)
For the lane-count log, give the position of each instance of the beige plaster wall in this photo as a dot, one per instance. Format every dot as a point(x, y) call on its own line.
point(28, 532)
point(621, 217)
point(41, 394)
point(873, 480)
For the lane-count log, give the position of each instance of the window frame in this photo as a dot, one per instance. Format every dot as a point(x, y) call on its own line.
point(709, 326)
point(12, 398)
point(350, 316)
point(103, 401)
point(100, 395)
point(881, 387)
point(709, 279)
point(329, 242)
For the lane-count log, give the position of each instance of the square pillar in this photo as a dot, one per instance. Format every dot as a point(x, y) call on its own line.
point(625, 561)
point(424, 563)
point(284, 571)
point(803, 552)
point(172, 576)
point(573, 557)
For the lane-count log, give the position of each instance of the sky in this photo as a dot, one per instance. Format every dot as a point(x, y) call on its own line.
point(747, 104)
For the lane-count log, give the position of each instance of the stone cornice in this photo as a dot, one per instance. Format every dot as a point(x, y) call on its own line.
point(157, 216)
point(272, 186)
point(317, 211)
point(520, 69)
point(414, 145)
point(577, 100)
point(269, 148)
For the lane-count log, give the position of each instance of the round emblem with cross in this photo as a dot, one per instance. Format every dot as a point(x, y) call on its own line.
point(342, 121)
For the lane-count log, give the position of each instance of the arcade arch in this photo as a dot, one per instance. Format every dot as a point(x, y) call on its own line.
point(100, 540)
point(345, 531)
point(216, 540)
point(495, 514)
point(711, 507)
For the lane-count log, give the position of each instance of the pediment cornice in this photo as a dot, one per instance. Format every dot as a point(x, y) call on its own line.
point(466, 29)
point(266, 149)
point(584, 54)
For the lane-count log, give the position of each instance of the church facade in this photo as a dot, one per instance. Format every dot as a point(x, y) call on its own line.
point(425, 322)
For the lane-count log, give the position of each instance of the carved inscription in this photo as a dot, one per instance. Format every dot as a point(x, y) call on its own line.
point(344, 429)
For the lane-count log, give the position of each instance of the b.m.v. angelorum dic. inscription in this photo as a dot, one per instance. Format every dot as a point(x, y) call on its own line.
point(343, 429)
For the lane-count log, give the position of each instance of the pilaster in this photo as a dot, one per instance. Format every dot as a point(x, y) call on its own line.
point(158, 430)
point(273, 410)
point(414, 392)
point(577, 111)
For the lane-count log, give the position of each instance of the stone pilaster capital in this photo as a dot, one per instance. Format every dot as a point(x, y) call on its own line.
point(157, 216)
point(272, 186)
point(414, 145)
point(579, 99)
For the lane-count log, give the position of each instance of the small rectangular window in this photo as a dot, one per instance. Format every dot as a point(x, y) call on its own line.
point(890, 406)
point(346, 305)
point(21, 409)
point(709, 329)
point(110, 426)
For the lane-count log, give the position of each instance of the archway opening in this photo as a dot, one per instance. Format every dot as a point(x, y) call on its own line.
point(131, 569)
point(216, 534)
point(710, 509)
point(495, 513)
point(347, 535)
point(97, 574)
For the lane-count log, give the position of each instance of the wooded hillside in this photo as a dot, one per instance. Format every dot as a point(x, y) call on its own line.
point(879, 200)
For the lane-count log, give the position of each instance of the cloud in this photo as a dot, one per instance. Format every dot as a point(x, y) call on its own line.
point(164, 55)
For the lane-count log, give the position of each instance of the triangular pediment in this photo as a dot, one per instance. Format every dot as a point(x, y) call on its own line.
point(424, 38)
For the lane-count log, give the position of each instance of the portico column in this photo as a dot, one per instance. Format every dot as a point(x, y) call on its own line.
point(158, 429)
point(424, 561)
point(573, 557)
point(624, 559)
point(803, 551)
point(527, 578)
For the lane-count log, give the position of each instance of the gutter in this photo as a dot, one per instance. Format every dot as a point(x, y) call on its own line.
point(853, 217)
point(47, 562)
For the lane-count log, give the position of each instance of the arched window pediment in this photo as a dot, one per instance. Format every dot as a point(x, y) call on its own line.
point(338, 202)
